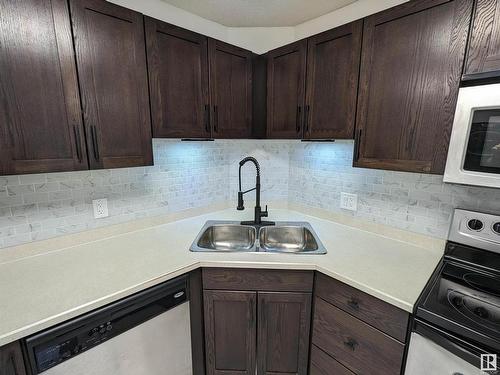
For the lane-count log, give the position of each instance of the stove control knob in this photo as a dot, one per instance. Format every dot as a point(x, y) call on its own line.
point(475, 224)
point(496, 228)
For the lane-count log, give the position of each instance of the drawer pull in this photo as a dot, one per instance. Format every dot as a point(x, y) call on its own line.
point(351, 344)
point(353, 303)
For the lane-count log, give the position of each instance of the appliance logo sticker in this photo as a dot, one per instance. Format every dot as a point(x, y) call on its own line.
point(488, 362)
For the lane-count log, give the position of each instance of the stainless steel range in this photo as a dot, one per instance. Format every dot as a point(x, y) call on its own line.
point(456, 328)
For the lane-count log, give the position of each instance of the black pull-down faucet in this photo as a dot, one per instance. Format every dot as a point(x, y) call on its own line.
point(259, 214)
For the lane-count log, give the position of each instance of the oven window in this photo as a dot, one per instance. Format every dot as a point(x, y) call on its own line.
point(483, 149)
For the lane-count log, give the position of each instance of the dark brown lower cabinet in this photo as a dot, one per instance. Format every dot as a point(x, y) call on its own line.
point(283, 332)
point(257, 331)
point(11, 360)
point(355, 333)
point(323, 364)
point(230, 332)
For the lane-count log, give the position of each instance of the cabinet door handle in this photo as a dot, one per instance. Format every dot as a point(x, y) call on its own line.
point(357, 144)
point(351, 344)
point(207, 118)
point(216, 118)
point(353, 303)
point(95, 143)
point(298, 117)
point(78, 144)
point(306, 119)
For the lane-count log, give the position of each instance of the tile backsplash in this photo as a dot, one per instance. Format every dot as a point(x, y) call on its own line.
point(197, 174)
point(420, 203)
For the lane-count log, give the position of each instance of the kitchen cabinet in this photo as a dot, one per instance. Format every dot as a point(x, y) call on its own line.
point(313, 84)
point(411, 65)
point(354, 332)
point(11, 360)
point(111, 61)
point(257, 321)
point(483, 57)
point(178, 81)
point(286, 81)
point(200, 87)
point(41, 128)
point(230, 331)
point(283, 332)
point(333, 59)
point(231, 90)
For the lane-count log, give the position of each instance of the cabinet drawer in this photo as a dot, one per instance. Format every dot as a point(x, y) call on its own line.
point(323, 364)
point(355, 344)
point(377, 313)
point(257, 280)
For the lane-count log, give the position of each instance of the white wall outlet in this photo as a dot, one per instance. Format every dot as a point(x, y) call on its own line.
point(100, 208)
point(349, 201)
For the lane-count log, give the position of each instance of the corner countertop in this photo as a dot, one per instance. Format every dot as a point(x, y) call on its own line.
point(45, 288)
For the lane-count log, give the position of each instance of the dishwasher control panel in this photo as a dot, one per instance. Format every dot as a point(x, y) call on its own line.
point(56, 345)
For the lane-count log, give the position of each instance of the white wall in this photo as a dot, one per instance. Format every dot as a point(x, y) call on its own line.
point(351, 12)
point(176, 16)
point(257, 39)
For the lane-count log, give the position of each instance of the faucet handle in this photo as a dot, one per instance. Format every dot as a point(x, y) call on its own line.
point(265, 213)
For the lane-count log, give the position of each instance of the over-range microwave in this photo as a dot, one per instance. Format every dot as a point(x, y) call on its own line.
point(474, 152)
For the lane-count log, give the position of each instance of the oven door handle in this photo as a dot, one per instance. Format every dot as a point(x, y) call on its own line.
point(468, 352)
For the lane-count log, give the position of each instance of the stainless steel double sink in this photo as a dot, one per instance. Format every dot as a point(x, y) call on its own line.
point(284, 237)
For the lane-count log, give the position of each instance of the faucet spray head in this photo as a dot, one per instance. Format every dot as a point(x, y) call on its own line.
point(240, 202)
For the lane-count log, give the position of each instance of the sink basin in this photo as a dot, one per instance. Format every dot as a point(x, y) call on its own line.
point(290, 238)
point(225, 236)
point(284, 237)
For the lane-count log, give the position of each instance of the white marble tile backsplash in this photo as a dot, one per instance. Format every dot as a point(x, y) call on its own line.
point(197, 174)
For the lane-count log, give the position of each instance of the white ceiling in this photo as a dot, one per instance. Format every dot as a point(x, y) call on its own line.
point(259, 13)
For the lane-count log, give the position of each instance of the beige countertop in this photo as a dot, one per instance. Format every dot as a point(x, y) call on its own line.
point(46, 283)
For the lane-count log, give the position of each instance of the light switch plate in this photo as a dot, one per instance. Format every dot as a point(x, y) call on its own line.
point(349, 201)
point(100, 208)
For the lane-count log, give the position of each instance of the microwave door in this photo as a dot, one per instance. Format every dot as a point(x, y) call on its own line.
point(474, 150)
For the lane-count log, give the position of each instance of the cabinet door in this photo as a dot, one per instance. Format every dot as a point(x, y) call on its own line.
point(40, 115)
point(111, 60)
point(231, 90)
point(178, 81)
point(483, 58)
point(286, 77)
point(11, 360)
point(332, 82)
point(283, 333)
point(411, 66)
point(230, 332)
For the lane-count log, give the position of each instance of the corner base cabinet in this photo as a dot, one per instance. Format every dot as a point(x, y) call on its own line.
point(257, 321)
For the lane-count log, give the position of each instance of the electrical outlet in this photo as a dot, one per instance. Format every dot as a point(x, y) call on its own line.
point(100, 208)
point(349, 201)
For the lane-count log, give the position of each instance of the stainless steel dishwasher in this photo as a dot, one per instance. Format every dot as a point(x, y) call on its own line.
point(147, 333)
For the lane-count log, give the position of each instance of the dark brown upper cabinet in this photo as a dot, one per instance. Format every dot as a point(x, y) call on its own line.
point(332, 82)
point(111, 60)
point(286, 81)
point(40, 118)
point(178, 81)
point(230, 90)
point(411, 66)
point(483, 58)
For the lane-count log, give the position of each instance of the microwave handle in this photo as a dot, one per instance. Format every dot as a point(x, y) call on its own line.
point(453, 344)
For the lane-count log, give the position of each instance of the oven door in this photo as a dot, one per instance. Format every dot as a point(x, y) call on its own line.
point(435, 352)
point(474, 152)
